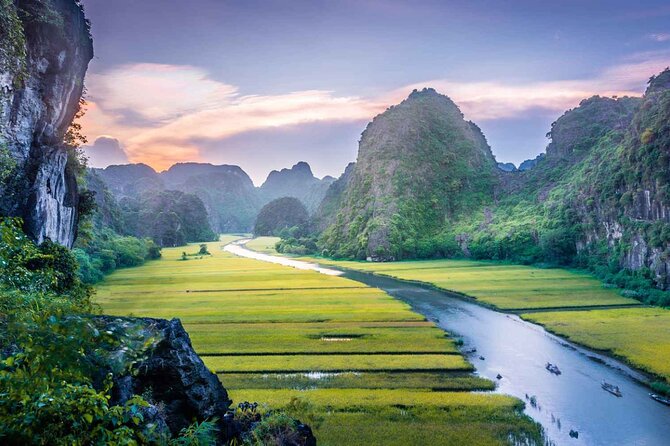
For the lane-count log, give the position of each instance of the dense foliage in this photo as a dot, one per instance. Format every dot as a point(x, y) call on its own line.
point(169, 218)
point(54, 390)
point(281, 214)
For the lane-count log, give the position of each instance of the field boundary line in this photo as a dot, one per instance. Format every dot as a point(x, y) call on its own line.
point(349, 353)
point(268, 372)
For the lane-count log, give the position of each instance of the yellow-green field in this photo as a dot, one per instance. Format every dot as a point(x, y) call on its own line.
point(263, 244)
point(640, 335)
point(356, 364)
point(508, 287)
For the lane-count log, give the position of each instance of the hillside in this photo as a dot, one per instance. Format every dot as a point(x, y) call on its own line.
point(230, 198)
point(599, 199)
point(226, 191)
point(420, 166)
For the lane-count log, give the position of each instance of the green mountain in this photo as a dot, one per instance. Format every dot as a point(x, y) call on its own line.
point(298, 182)
point(280, 214)
point(420, 166)
point(426, 185)
point(227, 192)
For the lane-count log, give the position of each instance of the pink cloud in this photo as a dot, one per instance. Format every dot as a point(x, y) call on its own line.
point(158, 111)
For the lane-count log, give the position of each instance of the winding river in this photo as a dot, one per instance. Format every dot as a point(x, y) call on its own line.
point(518, 351)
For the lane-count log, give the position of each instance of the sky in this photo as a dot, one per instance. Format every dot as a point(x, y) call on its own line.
point(264, 84)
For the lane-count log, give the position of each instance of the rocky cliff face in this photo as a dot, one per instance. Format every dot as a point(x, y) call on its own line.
point(39, 96)
point(332, 200)
point(639, 222)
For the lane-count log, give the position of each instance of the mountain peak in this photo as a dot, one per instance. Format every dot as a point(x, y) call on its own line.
point(302, 166)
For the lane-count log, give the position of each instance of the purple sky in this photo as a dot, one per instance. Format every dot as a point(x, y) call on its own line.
point(264, 84)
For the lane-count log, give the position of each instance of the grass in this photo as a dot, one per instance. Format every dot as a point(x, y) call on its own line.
point(320, 337)
point(265, 245)
point(364, 353)
point(319, 363)
point(350, 399)
point(508, 287)
point(639, 335)
point(392, 426)
point(448, 381)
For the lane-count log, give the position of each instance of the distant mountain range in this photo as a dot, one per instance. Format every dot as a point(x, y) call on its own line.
point(230, 197)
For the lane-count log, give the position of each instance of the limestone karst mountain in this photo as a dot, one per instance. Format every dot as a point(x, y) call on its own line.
point(420, 164)
point(425, 184)
point(41, 80)
point(298, 182)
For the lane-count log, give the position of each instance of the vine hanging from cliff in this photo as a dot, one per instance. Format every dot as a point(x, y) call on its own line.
point(12, 42)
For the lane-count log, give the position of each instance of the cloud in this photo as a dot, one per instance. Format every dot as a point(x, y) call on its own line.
point(492, 100)
point(177, 105)
point(104, 152)
point(659, 37)
point(164, 113)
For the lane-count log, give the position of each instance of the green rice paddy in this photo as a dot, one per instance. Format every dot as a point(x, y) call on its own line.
point(353, 362)
point(508, 287)
point(639, 335)
point(570, 303)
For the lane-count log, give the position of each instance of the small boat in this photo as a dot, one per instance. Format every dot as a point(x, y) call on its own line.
point(498, 376)
point(660, 399)
point(611, 388)
point(482, 358)
point(553, 368)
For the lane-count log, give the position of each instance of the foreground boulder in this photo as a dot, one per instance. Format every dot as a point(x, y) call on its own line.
point(155, 359)
point(169, 374)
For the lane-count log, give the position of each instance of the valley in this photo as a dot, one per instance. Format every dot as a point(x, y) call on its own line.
point(331, 351)
point(595, 316)
point(505, 348)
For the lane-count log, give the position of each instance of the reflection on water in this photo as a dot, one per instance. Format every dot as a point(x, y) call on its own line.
point(518, 351)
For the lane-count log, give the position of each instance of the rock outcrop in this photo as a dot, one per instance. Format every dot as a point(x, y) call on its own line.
point(39, 96)
point(168, 372)
point(157, 361)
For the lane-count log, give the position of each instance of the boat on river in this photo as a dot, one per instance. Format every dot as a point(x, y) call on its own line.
point(611, 388)
point(660, 399)
point(553, 368)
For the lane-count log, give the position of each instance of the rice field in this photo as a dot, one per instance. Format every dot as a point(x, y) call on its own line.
point(503, 286)
point(639, 335)
point(356, 364)
point(592, 315)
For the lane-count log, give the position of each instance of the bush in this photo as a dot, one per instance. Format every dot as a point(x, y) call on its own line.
point(53, 353)
point(104, 251)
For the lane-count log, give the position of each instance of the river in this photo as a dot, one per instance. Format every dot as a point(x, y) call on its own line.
point(518, 351)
